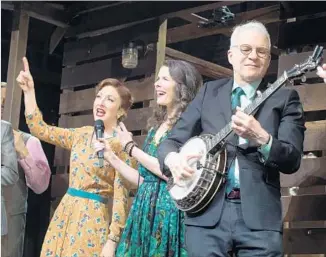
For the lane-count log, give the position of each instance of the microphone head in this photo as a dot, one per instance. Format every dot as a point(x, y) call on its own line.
point(99, 124)
point(99, 128)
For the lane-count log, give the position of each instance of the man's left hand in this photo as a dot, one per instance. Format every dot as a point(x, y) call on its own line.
point(247, 127)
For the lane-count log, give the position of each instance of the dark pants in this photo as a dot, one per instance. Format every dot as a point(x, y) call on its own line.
point(232, 235)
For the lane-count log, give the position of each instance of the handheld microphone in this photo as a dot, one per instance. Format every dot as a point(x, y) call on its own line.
point(99, 132)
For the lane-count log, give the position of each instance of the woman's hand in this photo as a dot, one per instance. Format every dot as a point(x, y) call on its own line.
point(123, 134)
point(109, 249)
point(25, 79)
point(101, 144)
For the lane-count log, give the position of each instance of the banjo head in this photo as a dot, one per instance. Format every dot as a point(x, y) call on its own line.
point(195, 145)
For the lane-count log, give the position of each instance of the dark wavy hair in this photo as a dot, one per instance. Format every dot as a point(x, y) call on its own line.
point(188, 81)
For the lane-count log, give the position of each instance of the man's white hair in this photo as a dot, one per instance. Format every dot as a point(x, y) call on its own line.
point(250, 25)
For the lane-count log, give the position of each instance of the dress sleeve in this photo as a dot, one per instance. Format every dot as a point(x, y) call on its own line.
point(120, 206)
point(51, 134)
point(36, 166)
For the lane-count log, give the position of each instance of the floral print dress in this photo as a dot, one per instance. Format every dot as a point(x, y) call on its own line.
point(155, 227)
point(81, 226)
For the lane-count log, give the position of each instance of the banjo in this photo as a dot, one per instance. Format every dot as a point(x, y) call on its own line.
point(210, 170)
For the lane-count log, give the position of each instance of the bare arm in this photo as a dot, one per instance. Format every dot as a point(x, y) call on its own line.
point(123, 168)
point(34, 119)
point(149, 162)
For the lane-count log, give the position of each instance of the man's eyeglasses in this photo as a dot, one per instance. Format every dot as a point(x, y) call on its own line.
point(261, 52)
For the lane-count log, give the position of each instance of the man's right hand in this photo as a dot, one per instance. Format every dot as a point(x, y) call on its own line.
point(25, 79)
point(179, 166)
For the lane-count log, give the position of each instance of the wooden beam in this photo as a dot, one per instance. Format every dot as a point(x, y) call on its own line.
point(305, 224)
point(56, 37)
point(312, 96)
point(19, 36)
point(161, 46)
point(315, 136)
point(43, 11)
point(184, 14)
point(191, 31)
point(311, 173)
point(191, 16)
point(303, 191)
point(206, 68)
point(130, 12)
point(303, 207)
point(94, 47)
point(304, 242)
point(112, 29)
point(87, 7)
point(92, 73)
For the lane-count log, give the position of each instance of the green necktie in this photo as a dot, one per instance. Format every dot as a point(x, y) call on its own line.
point(236, 94)
point(232, 181)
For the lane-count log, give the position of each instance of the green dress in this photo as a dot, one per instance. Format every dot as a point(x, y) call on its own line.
point(155, 227)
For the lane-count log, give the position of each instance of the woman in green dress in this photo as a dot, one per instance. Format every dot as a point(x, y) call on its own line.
point(155, 227)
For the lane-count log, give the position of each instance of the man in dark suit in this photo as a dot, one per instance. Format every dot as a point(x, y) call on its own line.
point(245, 216)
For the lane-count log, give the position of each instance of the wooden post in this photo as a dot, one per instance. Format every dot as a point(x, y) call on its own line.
point(161, 44)
point(18, 44)
point(160, 51)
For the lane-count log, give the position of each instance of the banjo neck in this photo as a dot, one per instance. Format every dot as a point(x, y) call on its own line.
point(218, 139)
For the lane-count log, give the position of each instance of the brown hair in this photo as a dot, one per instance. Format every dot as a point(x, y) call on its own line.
point(188, 82)
point(123, 91)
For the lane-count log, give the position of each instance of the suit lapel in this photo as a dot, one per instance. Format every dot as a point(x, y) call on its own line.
point(224, 100)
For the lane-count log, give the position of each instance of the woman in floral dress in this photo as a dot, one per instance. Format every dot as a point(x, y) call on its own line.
point(80, 226)
point(155, 226)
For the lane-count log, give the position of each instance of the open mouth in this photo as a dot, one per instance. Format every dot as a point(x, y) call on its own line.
point(160, 93)
point(100, 112)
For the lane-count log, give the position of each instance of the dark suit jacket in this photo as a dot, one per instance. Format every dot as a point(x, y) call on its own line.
point(281, 116)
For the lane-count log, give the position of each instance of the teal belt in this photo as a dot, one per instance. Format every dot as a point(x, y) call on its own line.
point(83, 194)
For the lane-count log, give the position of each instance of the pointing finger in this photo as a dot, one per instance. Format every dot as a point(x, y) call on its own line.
point(26, 65)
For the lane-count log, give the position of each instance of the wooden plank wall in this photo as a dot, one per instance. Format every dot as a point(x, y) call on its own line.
point(86, 62)
point(304, 193)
